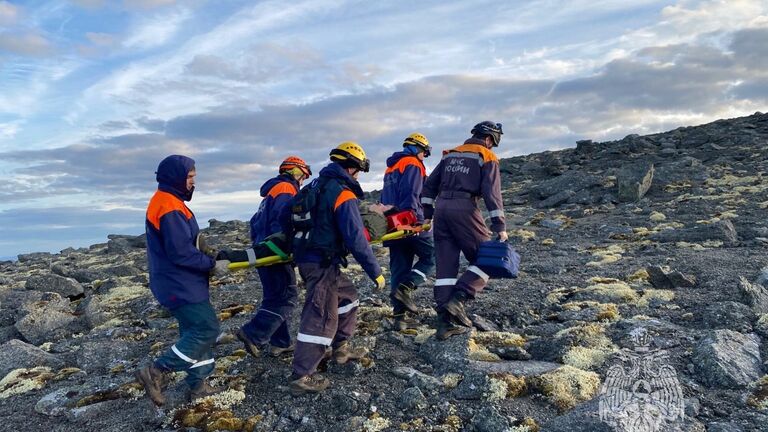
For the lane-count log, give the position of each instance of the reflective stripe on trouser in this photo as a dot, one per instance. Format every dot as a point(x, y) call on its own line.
point(270, 323)
point(193, 352)
point(401, 265)
point(328, 318)
point(459, 227)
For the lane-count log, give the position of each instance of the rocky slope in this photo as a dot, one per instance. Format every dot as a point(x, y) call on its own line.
point(665, 232)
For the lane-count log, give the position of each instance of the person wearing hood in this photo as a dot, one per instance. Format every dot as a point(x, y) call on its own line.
point(270, 323)
point(403, 183)
point(464, 175)
point(178, 278)
point(329, 228)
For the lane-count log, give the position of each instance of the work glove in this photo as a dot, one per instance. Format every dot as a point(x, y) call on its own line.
point(380, 282)
point(502, 236)
point(221, 268)
point(203, 247)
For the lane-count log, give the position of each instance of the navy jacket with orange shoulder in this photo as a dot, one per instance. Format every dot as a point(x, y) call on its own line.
point(470, 169)
point(403, 182)
point(178, 271)
point(276, 193)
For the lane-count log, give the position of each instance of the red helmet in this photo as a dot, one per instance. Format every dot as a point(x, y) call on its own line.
point(295, 162)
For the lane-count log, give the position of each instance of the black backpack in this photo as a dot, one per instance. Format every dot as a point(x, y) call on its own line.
point(305, 217)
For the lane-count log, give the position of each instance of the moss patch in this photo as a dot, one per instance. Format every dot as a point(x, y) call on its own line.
point(20, 381)
point(606, 255)
point(524, 234)
point(502, 339)
point(480, 353)
point(758, 395)
point(516, 386)
point(657, 295)
point(567, 386)
point(376, 423)
point(212, 413)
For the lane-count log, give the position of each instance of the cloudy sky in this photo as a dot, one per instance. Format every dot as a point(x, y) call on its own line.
point(94, 93)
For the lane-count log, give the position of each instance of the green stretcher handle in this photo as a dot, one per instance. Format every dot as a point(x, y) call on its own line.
point(283, 258)
point(261, 262)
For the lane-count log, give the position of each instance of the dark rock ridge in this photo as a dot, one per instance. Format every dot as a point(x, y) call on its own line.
point(665, 232)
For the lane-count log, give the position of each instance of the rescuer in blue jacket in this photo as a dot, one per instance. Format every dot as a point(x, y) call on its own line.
point(403, 182)
point(270, 323)
point(324, 235)
point(178, 278)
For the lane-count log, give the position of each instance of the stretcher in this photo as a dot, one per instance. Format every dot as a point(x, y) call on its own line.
point(276, 259)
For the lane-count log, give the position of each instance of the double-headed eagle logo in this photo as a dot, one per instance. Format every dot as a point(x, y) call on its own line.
point(641, 393)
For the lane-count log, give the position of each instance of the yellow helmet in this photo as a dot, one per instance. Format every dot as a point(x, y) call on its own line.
point(418, 140)
point(350, 155)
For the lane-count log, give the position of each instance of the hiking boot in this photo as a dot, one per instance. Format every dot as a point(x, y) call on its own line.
point(203, 390)
point(308, 384)
point(344, 353)
point(276, 351)
point(455, 307)
point(403, 322)
point(249, 346)
point(402, 293)
point(446, 328)
point(152, 379)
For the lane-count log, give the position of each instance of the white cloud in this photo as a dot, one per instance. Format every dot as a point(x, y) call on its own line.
point(8, 130)
point(8, 13)
point(156, 31)
point(100, 39)
point(29, 44)
point(147, 4)
point(89, 4)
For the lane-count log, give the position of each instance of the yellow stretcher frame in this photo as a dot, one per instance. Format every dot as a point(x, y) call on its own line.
point(274, 259)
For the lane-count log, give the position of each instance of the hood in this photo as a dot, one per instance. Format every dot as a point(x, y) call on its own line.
point(336, 171)
point(266, 187)
point(392, 160)
point(172, 176)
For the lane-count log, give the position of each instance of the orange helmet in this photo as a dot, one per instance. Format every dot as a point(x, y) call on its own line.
point(295, 162)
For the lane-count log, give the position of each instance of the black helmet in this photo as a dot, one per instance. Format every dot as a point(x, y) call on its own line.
point(489, 128)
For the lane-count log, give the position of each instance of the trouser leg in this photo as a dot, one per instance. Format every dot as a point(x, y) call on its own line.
point(401, 255)
point(193, 352)
point(270, 323)
point(424, 248)
point(319, 317)
point(347, 309)
point(447, 261)
point(468, 238)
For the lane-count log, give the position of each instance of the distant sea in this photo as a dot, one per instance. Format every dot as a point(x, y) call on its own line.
point(8, 258)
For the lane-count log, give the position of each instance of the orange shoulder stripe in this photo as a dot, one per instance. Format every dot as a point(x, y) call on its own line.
point(163, 203)
point(281, 188)
point(343, 197)
point(403, 163)
point(487, 154)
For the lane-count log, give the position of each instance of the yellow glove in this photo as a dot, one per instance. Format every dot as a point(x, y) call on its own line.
point(380, 282)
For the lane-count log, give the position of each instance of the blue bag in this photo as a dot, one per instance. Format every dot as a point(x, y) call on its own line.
point(498, 259)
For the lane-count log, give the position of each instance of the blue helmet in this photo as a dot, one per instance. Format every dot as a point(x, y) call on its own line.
point(489, 128)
